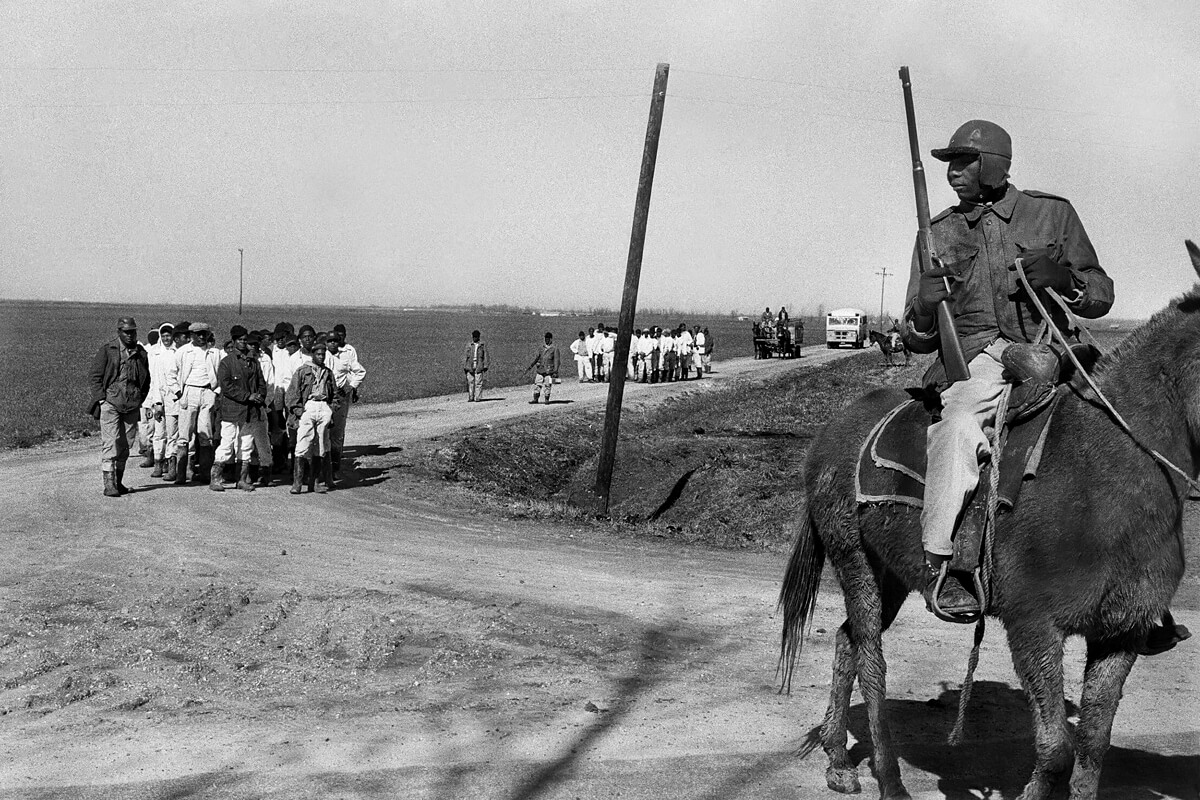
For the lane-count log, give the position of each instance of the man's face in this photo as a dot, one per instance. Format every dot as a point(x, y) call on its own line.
point(963, 175)
point(240, 344)
point(199, 339)
point(333, 344)
point(279, 338)
point(306, 340)
point(128, 337)
point(292, 348)
point(318, 354)
point(254, 349)
point(181, 338)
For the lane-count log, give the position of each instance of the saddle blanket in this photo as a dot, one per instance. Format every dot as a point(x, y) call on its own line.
point(891, 461)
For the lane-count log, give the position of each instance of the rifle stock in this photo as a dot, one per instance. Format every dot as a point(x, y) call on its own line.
point(949, 345)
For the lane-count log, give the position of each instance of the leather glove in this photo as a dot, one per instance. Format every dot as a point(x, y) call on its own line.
point(1044, 272)
point(932, 290)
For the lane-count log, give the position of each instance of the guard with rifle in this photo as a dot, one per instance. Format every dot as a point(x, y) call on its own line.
point(963, 283)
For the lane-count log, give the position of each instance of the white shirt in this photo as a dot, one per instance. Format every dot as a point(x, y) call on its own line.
point(347, 372)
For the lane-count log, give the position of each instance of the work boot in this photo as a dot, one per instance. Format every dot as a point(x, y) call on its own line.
point(169, 473)
point(157, 472)
point(955, 602)
point(147, 459)
point(215, 475)
point(264, 475)
point(336, 461)
point(181, 468)
point(244, 483)
point(118, 477)
point(326, 475)
point(110, 485)
point(316, 480)
point(298, 474)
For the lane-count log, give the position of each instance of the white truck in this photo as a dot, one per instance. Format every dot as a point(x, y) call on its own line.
point(845, 326)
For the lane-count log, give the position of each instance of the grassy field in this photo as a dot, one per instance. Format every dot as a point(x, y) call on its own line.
point(407, 354)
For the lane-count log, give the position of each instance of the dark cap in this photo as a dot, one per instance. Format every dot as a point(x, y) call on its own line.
point(307, 329)
point(126, 324)
point(237, 331)
point(254, 337)
point(976, 137)
point(182, 327)
point(291, 340)
point(340, 328)
point(283, 328)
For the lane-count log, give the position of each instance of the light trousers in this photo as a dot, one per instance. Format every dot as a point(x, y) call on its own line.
point(474, 392)
point(118, 435)
point(237, 435)
point(314, 426)
point(955, 446)
point(166, 432)
point(195, 418)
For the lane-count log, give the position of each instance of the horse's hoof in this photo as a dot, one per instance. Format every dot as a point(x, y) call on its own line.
point(843, 780)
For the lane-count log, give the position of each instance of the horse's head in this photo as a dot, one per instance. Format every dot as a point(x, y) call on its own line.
point(876, 337)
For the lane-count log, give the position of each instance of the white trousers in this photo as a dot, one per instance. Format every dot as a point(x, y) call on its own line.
point(314, 424)
point(955, 446)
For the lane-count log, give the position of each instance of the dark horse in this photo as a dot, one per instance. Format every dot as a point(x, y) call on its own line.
point(890, 343)
point(1094, 548)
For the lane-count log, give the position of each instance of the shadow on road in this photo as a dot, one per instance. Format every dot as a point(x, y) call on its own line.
point(367, 465)
point(997, 756)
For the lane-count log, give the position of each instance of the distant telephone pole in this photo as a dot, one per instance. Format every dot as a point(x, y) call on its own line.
point(883, 276)
point(241, 270)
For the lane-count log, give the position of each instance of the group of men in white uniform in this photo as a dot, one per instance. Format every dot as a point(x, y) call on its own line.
point(287, 397)
point(655, 355)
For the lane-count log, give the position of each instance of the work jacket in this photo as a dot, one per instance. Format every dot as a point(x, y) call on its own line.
point(980, 243)
point(475, 357)
point(106, 369)
point(240, 377)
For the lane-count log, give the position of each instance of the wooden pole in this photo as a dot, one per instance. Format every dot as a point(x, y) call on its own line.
point(633, 272)
point(241, 264)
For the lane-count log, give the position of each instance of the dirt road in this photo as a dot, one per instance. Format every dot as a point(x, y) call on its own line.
point(390, 640)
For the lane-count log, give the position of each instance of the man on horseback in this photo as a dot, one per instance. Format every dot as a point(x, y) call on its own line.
point(975, 245)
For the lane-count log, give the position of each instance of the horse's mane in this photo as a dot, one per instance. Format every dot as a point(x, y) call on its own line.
point(1152, 334)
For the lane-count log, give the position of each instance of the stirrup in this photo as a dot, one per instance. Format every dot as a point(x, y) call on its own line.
point(932, 596)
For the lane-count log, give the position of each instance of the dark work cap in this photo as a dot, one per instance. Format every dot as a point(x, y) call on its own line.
point(254, 337)
point(182, 327)
point(237, 331)
point(282, 328)
point(126, 324)
point(340, 328)
point(291, 340)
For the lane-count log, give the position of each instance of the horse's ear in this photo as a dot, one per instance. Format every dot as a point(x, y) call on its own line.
point(1194, 252)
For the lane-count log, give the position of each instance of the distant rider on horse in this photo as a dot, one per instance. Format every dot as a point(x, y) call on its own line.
point(975, 244)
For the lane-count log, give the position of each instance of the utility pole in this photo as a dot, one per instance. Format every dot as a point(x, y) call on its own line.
point(633, 272)
point(241, 265)
point(883, 276)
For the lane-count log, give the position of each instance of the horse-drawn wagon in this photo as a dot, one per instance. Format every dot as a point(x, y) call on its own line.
point(772, 340)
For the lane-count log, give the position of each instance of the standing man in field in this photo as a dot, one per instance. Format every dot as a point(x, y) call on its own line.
point(311, 396)
point(348, 375)
point(475, 364)
point(192, 381)
point(243, 397)
point(583, 361)
point(545, 364)
point(163, 430)
point(976, 244)
point(120, 382)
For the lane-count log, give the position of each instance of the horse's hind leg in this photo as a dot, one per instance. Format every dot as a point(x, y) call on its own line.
point(1037, 656)
point(1107, 668)
point(841, 775)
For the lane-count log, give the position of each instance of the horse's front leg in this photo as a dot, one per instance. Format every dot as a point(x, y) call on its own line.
point(1037, 651)
point(1107, 667)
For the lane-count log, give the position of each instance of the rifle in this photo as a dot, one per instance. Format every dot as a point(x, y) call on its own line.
point(951, 348)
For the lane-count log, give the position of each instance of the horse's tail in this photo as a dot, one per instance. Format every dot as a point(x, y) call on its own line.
point(797, 597)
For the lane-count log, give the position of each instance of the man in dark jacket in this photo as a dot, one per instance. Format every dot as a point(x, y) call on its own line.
point(243, 397)
point(475, 364)
point(977, 243)
point(120, 381)
point(545, 364)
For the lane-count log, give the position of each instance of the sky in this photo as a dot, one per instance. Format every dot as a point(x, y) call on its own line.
point(406, 154)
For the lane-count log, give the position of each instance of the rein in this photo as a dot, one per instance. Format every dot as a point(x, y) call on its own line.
point(1057, 334)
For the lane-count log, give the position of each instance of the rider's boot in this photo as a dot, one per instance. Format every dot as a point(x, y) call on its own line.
point(954, 601)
